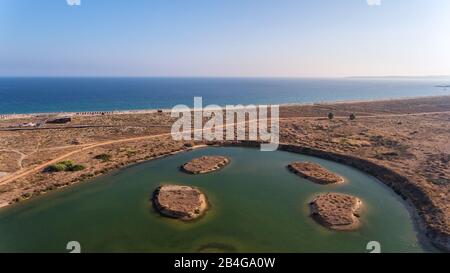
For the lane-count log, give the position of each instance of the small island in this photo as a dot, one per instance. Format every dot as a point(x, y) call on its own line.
point(180, 202)
point(336, 211)
point(315, 173)
point(205, 164)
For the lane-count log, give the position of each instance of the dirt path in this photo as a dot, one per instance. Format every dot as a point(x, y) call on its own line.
point(20, 174)
point(83, 147)
point(16, 175)
point(19, 161)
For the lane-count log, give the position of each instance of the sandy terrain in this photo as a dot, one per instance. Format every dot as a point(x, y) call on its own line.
point(404, 143)
point(336, 211)
point(205, 164)
point(314, 172)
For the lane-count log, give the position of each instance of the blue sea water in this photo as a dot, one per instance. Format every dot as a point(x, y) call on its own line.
point(36, 95)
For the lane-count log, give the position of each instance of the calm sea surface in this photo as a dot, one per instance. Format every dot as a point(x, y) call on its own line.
point(34, 95)
point(257, 205)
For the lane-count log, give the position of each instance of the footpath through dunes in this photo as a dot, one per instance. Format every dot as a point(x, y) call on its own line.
point(205, 164)
point(336, 211)
point(181, 202)
point(315, 173)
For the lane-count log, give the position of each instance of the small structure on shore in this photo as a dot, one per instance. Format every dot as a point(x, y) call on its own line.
point(336, 211)
point(205, 164)
point(28, 124)
point(315, 173)
point(59, 120)
point(180, 202)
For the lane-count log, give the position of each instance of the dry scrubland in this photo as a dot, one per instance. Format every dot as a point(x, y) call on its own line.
point(405, 143)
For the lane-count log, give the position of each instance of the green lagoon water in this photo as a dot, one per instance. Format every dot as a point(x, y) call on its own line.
point(257, 205)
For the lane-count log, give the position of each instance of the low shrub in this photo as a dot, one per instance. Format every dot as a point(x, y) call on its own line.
point(76, 168)
point(103, 157)
point(65, 166)
point(56, 168)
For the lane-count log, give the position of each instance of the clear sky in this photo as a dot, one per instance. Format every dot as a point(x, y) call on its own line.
point(245, 38)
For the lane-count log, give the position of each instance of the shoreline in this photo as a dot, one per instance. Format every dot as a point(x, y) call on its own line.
point(6, 116)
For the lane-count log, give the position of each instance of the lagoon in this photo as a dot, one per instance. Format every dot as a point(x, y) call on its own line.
point(256, 205)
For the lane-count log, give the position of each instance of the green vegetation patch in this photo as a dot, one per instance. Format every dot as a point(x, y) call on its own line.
point(65, 166)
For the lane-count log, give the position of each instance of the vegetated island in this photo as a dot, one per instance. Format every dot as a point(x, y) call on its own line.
point(315, 173)
point(205, 164)
point(336, 211)
point(180, 202)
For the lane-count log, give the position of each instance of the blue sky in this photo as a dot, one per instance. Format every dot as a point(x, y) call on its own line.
point(244, 38)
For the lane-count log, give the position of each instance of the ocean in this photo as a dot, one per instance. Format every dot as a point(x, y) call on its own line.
point(38, 95)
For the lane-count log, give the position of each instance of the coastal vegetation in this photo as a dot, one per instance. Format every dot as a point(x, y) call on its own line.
point(131, 153)
point(65, 166)
point(103, 157)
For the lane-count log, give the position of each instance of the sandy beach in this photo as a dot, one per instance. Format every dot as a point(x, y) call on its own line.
point(168, 110)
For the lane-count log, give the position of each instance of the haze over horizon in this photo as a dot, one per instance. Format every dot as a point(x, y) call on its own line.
point(253, 38)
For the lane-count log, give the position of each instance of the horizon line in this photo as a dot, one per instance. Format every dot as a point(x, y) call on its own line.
point(226, 77)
